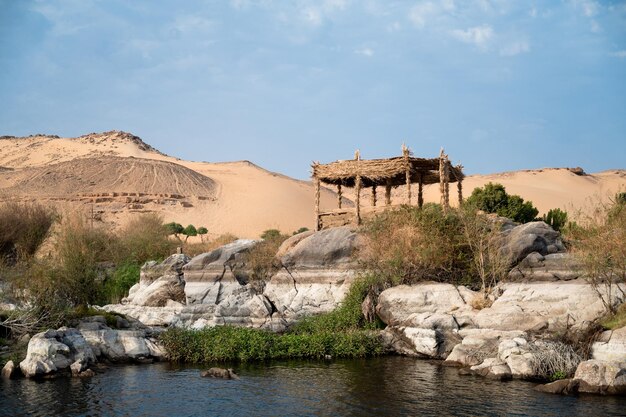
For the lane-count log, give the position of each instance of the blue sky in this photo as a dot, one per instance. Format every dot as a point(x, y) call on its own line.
point(501, 84)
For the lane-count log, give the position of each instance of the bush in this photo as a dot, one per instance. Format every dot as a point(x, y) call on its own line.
point(174, 228)
point(261, 259)
point(599, 243)
point(23, 228)
point(190, 230)
point(410, 244)
point(144, 238)
point(493, 198)
point(116, 286)
point(556, 218)
point(301, 230)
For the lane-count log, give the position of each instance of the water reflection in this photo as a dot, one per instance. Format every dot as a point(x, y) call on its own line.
point(374, 387)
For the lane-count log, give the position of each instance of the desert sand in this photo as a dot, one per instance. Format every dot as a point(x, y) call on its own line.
point(116, 176)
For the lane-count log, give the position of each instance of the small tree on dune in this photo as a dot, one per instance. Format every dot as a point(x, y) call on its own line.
point(190, 230)
point(202, 231)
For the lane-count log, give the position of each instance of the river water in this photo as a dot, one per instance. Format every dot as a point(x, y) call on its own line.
point(388, 386)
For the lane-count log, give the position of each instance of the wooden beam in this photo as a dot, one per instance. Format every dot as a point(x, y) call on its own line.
point(459, 186)
point(358, 199)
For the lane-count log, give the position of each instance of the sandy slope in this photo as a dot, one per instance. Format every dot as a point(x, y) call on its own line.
point(235, 197)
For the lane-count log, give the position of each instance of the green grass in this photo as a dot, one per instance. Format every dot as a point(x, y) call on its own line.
point(240, 344)
point(615, 321)
point(342, 333)
point(117, 285)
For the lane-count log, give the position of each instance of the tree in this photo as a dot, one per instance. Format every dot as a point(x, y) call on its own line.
point(202, 231)
point(270, 234)
point(190, 230)
point(174, 229)
point(493, 198)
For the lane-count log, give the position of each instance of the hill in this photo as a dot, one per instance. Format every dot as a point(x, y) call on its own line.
point(116, 175)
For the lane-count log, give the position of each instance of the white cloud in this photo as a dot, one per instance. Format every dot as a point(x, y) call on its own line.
point(368, 52)
point(515, 48)
point(316, 13)
point(478, 35)
point(619, 54)
point(533, 12)
point(425, 11)
point(595, 26)
point(394, 27)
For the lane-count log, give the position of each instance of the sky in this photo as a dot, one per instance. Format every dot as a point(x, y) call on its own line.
point(500, 84)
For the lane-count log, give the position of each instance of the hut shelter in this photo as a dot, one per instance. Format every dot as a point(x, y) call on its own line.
point(386, 173)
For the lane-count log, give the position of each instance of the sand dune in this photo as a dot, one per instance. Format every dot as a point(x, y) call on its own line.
point(117, 175)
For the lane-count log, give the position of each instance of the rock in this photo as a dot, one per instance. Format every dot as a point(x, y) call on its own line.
point(543, 306)
point(611, 346)
point(479, 344)
point(288, 244)
point(53, 351)
point(88, 373)
point(526, 238)
point(9, 370)
point(150, 316)
point(443, 303)
point(317, 271)
point(220, 373)
point(492, 368)
point(159, 283)
point(70, 349)
point(551, 267)
point(600, 377)
point(562, 386)
point(210, 276)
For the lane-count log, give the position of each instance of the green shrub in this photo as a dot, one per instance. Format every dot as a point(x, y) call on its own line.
point(493, 198)
point(301, 230)
point(409, 244)
point(556, 218)
point(271, 234)
point(116, 286)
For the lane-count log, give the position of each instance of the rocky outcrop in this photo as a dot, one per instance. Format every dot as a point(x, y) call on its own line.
point(601, 377)
point(77, 349)
point(522, 240)
point(9, 370)
point(610, 346)
point(551, 267)
point(316, 273)
point(159, 283)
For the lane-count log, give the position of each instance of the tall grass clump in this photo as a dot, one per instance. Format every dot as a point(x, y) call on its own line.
point(408, 244)
point(261, 259)
point(599, 243)
point(23, 228)
point(552, 360)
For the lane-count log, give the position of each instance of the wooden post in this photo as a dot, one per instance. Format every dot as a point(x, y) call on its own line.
point(374, 195)
point(357, 185)
point(459, 186)
point(388, 193)
point(339, 195)
point(317, 204)
point(407, 168)
point(420, 190)
point(442, 188)
point(446, 184)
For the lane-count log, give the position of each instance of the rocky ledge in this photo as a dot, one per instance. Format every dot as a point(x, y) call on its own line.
point(78, 350)
point(315, 272)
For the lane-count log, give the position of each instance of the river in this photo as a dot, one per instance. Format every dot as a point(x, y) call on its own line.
point(387, 386)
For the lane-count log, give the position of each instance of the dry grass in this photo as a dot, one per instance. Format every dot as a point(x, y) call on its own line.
point(23, 228)
point(144, 238)
point(193, 249)
point(553, 360)
point(481, 301)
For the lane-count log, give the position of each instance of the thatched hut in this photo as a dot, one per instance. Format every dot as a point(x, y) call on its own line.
point(403, 170)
